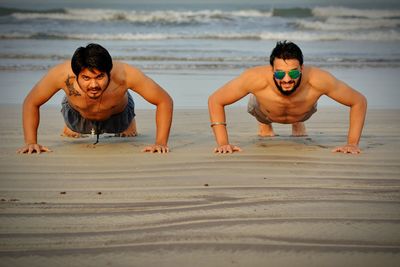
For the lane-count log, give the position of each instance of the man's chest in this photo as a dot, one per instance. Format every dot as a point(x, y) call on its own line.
point(275, 104)
point(101, 108)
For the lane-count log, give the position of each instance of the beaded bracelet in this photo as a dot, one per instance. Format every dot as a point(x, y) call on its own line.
point(217, 123)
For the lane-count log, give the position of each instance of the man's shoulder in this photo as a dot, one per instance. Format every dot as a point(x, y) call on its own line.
point(62, 69)
point(125, 75)
point(256, 78)
point(259, 69)
point(58, 74)
point(121, 66)
point(122, 70)
point(316, 73)
point(257, 72)
point(319, 78)
point(65, 65)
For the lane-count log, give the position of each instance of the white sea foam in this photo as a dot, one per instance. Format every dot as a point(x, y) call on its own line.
point(351, 12)
point(188, 16)
point(124, 36)
point(348, 24)
point(295, 36)
point(15, 35)
point(328, 23)
point(333, 36)
point(74, 14)
point(162, 16)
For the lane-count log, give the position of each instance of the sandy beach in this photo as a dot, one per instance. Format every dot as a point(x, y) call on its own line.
point(283, 201)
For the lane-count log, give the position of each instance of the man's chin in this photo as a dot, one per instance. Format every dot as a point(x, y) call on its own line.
point(287, 90)
point(288, 87)
point(94, 95)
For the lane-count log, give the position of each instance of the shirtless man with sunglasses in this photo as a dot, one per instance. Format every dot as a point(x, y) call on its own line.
point(285, 92)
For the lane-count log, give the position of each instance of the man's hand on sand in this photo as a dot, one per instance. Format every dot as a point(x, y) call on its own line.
point(349, 149)
point(156, 148)
point(224, 149)
point(33, 148)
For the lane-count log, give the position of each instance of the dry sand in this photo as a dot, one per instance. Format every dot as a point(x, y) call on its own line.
point(283, 201)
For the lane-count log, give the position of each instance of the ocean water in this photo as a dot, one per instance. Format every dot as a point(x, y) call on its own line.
point(193, 47)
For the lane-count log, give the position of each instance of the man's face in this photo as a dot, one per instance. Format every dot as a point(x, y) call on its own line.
point(93, 82)
point(287, 85)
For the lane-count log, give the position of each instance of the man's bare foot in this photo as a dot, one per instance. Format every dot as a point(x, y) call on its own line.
point(265, 130)
point(299, 129)
point(67, 132)
point(130, 132)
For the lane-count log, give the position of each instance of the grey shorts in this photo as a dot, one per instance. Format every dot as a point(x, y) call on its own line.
point(117, 123)
point(254, 109)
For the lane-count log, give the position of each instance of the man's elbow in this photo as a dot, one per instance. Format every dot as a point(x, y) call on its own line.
point(32, 100)
point(29, 103)
point(360, 103)
point(363, 102)
point(170, 102)
point(167, 102)
point(212, 101)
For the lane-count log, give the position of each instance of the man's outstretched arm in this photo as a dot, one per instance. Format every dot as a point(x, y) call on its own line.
point(358, 109)
point(163, 124)
point(30, 122)
point(218, 123)
point(39, 95)
point(226, 95)
point(344, 94)
point(156, 95)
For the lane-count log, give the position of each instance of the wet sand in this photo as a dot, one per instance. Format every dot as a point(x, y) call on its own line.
point(283, 201)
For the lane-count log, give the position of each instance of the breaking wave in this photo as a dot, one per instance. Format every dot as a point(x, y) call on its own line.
point(296, 36)
point(201, 16)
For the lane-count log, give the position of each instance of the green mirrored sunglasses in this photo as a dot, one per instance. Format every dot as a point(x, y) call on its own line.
point(280, 74)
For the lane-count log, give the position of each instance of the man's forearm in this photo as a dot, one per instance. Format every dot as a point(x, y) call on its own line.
point(221, 135)
point(218, 118)
point(163, 122)
point(357, 118)
point(30, 118)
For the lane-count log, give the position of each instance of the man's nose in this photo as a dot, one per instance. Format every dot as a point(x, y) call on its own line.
point(93, 83)
point(286, 78)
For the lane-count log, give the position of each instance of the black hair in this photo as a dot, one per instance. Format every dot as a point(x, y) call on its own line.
point(286, 50)
point(93, 56)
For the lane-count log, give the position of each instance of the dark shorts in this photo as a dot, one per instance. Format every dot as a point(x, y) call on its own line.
point(254, 109)
point(117, 123)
